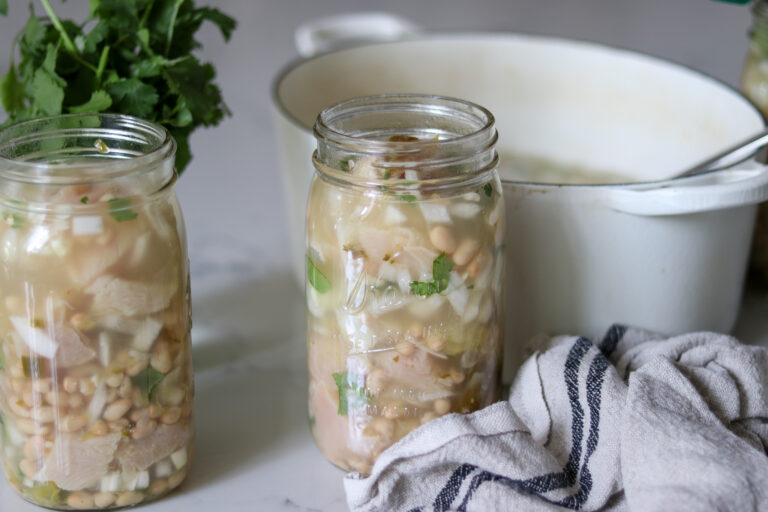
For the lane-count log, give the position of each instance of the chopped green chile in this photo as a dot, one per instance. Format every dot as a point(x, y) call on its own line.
point(316, 278)
point(146, 381)
point(13, 219)
point(348, 393)
point(47, 494)
point(441, 273)
point(120, 210)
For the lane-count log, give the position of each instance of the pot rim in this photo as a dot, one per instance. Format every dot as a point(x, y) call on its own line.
point(427, 35)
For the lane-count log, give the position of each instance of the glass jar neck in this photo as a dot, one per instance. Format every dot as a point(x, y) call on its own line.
point(759, 30)
point(400, 140)
point(42, 156)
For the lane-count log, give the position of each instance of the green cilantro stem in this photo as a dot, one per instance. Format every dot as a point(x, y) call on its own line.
point(145, 15)
point(70, 46)
point(102, 64)
point(57, 23)
point(174, 15)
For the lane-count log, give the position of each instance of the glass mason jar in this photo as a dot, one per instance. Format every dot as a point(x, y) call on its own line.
point(95, 369)
point(404, 270)
point(754, 82)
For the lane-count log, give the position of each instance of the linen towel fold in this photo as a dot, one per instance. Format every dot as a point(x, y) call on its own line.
point(636, 422)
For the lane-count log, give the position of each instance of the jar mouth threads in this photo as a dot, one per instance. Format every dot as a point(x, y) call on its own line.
point(76, 149)
point(440, 140)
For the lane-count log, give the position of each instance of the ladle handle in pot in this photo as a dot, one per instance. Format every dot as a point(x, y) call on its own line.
point(725, 189)
point(326, 34)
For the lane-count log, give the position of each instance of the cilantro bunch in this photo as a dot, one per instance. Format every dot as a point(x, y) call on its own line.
point(130, 57)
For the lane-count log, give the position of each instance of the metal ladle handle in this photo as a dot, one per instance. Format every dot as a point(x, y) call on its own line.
point(731, 156)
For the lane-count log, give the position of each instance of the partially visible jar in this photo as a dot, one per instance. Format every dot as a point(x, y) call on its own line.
point(405, 228)
point(95, 368)
point(754, 82)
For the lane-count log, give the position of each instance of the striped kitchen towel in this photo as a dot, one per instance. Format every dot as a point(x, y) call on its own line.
point(635, 422)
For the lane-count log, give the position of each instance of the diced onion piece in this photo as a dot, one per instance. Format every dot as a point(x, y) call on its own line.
point(179, 458)
point(14, 435)
point(147, 333)
point(316, 303)
point(435, 213)
point(60, 246)
point(394, 216)
point(37, 239)
point(87, 225)
point(110, 483)
point(163, 469)
point(96, 405)
point(140, 250)
point(135, 481)
point(36, 339)
point(458, 295)
point(473, 307)
point(473, 197)
point(105, 348)
point(365, 167)
point(465, 210)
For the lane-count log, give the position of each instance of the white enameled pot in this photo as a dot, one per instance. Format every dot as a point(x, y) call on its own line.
point(663, 255)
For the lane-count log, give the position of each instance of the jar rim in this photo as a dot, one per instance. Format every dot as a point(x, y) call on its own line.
point(159, 143)
point(469, 145)
point(443, 104)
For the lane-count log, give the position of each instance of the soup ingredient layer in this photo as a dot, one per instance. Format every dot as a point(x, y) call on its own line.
point(404, 295)
point(95, 373)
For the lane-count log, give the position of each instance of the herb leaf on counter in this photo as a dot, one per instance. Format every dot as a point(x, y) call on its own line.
point(441, 275)
point(316, 278)
point(130, 56)
point(348, 393)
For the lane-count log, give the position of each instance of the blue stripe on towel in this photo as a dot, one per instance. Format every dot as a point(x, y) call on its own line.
point(451, 490)
point(612, 339)
point(545, 483)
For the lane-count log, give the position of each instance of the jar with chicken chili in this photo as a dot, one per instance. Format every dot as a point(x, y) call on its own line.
point(404, 270)
point(95, 368)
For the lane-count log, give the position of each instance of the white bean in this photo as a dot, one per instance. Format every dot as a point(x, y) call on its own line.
point(117, 409)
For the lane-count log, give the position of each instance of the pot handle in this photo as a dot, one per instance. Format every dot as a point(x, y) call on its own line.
point(717, 191)
point(326, 34)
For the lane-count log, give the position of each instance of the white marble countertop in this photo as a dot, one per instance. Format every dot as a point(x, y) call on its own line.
point(253, 450)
